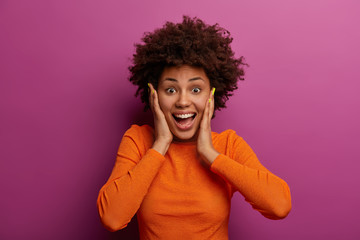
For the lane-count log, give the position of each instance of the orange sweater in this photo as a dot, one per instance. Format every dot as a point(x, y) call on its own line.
point(177, 196)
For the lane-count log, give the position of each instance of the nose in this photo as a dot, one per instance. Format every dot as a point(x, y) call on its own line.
point(183, 100)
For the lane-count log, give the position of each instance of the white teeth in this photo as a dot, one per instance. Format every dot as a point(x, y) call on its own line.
point(184, 115)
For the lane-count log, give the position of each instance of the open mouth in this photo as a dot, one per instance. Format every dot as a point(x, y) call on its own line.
point(184, 121)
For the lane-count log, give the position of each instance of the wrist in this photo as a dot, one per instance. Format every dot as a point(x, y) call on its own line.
point(209, 155)
point(161, 146)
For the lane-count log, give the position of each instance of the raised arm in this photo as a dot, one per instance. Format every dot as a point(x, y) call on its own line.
point(136, 166)
point(267, 193)
point(134, 170)
point(232, 158)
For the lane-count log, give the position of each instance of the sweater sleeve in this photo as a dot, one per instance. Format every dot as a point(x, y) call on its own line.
point(267, 193)
point(134, 170)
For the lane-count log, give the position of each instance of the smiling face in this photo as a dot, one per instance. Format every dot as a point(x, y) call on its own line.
point(183, 92)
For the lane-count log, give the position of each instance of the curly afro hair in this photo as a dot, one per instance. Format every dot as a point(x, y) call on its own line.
point(193, 43)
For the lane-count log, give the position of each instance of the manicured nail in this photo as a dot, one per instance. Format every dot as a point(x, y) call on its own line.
point(152, 91)
point(213, 91)
point(209, 100)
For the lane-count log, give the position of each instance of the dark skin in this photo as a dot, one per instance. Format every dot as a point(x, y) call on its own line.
point(190, 89)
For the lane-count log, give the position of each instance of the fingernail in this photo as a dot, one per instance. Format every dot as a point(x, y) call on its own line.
point(209, 100)
point(213, 91)
point(149, 87)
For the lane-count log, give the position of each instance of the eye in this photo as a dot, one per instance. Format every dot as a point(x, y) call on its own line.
point(196, 90)
point(170, 90)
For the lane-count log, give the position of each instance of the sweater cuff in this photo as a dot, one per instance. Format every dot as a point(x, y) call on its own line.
point(221, 165)
point(155, 154)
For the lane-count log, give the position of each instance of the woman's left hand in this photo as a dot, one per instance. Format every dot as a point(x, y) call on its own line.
point(204, 141)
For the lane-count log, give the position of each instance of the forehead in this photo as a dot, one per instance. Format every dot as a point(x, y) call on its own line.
point(184, 73)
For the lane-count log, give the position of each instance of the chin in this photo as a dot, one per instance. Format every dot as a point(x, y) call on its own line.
point(185, 137)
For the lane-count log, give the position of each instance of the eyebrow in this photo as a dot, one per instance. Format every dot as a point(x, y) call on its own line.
point(191, 79)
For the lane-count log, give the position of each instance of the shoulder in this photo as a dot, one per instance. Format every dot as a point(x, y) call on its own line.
point(227, 135)
point(136, 129)
point(228, 141)
point(231, 144)
point(140, 134)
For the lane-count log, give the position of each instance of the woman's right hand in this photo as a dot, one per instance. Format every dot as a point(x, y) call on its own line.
point(163, 135)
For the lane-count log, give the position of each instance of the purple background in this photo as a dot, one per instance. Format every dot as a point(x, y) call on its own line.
point(65, 102)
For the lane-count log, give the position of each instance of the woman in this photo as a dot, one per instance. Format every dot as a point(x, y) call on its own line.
point(179, 176)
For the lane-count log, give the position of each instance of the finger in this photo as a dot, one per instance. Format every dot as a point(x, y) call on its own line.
point(205, 118)
point(212, 103)
point(151, 96)
point(152, 89)
point(155, 102)
point(154, 97)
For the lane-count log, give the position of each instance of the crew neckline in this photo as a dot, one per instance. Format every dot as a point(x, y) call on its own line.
point(183, 143)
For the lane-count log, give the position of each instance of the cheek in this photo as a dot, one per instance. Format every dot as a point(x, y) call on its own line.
point(201, 103)
point(164, 103)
